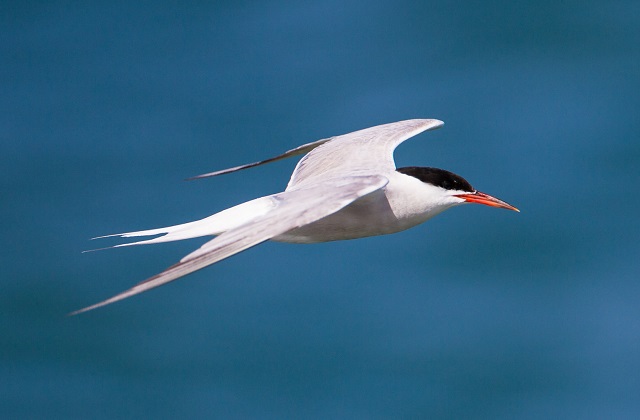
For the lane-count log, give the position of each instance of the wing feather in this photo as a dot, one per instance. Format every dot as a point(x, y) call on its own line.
point(370, 149)
point(294, 209)
point(363, 152)
point(300, 150)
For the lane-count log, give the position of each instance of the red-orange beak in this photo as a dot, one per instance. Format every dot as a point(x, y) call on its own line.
point(486, 199)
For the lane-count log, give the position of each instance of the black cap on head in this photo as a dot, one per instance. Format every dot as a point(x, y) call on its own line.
point(438, 177)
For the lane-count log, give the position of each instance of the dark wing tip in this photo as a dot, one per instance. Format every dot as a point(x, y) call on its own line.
point(223, 171)
point(86, 309)
point(305, 148)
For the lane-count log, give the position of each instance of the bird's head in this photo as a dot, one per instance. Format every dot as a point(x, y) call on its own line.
point(454, 188)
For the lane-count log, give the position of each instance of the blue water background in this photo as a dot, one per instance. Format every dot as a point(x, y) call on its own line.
point(480, 313)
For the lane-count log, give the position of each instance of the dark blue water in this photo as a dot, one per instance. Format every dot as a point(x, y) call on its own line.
point(480, 313)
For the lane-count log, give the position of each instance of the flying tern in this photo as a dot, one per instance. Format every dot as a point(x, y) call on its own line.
point(345, 187)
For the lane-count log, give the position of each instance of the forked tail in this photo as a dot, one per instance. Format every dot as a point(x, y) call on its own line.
point(209, 226)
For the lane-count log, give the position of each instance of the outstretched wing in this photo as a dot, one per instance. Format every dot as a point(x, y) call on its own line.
point(371, 148)
point(300, 150)
point(292, 209)
point(363, 152)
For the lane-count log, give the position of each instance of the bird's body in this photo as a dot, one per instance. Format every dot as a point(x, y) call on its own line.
point(345, 187)
point(382, 212)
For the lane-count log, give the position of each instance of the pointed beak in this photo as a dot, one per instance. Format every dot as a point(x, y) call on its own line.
point(482, 198)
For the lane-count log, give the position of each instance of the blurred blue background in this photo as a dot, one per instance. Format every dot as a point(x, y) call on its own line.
point(480, 313)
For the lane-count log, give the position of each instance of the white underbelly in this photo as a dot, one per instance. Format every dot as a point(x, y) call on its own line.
point(371, 215)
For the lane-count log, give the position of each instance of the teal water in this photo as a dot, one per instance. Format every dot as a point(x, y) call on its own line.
point(479, 313)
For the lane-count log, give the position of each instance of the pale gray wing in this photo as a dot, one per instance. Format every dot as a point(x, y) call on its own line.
point(300, 150)
point(293, 209)
point(363, 152)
